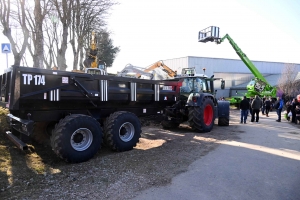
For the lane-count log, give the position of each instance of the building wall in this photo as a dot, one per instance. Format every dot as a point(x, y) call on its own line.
point(233, 71)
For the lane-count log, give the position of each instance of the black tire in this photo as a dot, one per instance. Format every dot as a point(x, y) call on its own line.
point(201, 118)
point(166, 124)
point(122, 131)
point(223, 121)
point(76, 138)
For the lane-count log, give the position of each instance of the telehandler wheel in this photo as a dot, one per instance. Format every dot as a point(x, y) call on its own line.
point(122, 131)
point(76, 138)
point(223, 121)
point(201, 118)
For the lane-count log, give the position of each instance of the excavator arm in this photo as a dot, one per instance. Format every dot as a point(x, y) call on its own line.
point(165, 68)
point(134, 71)
point(92, 61)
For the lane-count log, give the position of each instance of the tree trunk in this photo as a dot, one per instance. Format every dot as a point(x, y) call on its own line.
point(61, 54)
point(38, 57)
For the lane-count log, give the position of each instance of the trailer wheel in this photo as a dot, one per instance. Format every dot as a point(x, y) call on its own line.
point(223, 121)
point(76, 138)
point(201, 118)
point(166, 124)
point(122, 131)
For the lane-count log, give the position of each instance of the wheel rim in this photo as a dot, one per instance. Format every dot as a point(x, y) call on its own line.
point(81, 139)
point(208, 115)
point(126, 132)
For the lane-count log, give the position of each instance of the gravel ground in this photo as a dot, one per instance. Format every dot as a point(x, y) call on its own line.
point(159, 156)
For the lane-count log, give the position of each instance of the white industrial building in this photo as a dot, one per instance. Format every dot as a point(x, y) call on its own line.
point(235, 73)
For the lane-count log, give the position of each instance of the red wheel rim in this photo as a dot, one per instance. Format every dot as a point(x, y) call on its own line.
point(208, 115)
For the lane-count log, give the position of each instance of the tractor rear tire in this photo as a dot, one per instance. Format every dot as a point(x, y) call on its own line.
point(201, 118)
point(76, 138)
point(122, 131)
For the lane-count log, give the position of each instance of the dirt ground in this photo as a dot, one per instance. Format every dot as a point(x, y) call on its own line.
point(159, 156)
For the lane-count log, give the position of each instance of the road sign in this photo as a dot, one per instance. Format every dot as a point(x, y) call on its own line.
point(5, 48)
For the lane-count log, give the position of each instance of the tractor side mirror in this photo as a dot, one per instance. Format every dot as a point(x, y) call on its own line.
point(222, 84)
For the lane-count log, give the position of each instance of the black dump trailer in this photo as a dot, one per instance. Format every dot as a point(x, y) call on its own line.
point(79, 111)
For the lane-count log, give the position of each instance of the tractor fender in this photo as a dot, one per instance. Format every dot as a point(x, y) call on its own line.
point(223, 109)
point(200, 97)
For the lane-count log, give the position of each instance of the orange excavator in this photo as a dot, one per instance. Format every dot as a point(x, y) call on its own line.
point(91, 63)
point(160, 64)
point(157, 71)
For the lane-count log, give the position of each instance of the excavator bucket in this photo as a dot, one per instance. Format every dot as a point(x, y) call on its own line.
point(209, 34)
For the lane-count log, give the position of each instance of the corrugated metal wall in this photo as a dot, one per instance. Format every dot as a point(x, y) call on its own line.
point(234, 72)
point(214, 65)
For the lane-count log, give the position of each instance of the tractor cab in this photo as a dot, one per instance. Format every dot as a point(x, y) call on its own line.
point(193, 84)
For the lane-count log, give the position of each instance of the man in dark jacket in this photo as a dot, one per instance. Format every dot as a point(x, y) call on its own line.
point(268, 103)
point(263, 106)
point(256, 105)
point(294, 104)
point(244, 106)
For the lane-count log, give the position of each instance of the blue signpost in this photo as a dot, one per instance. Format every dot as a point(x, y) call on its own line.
point(5, 47)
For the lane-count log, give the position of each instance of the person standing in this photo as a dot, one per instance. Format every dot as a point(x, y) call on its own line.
point(263, 106)
point(298, 109)
point(294, 104)
point(244, 106)
point(256, 105)
point(268, 105)
point(279, 105)
point(251, 99)
point(288, 110)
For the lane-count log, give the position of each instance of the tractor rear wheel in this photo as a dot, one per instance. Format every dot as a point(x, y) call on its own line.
point(201, 118)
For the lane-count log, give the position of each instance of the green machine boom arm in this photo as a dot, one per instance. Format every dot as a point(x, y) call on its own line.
point(259, 85)
point(243, 57)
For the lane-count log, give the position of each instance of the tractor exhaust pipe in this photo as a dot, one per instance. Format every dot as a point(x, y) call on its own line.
point(19, 143)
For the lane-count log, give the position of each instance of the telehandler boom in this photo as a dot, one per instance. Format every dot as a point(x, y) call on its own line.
point(257, 86)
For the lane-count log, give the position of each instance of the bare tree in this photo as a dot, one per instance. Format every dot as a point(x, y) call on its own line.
point(51, 40)
point(64, 10)
point(14, 18)
point(35, 22)
point(287, 83)
point(87, 16)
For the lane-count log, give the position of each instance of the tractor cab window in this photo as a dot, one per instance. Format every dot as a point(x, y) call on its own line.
point(199, 85)
point(186, 85)
point(192, 85)
point(252, 82)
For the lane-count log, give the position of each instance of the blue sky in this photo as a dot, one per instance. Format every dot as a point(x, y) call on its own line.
point(151, 30)
point(148, 31)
